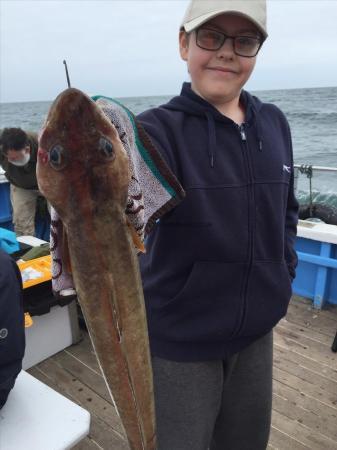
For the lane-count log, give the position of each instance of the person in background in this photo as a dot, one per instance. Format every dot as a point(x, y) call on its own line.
point(12, 332)
point(18, 158)
point(218, 268)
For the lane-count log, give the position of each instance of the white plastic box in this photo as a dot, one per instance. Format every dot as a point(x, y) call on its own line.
point(52, 332)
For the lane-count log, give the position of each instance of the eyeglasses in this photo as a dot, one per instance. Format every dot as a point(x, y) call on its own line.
point(212, 40)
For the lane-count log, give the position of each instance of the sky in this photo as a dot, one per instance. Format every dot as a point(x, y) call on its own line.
point(130, 48)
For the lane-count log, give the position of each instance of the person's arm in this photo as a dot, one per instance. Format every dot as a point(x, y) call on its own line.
point(158, 136)
point(291, 222)
point(2, 157)
point(12, 334)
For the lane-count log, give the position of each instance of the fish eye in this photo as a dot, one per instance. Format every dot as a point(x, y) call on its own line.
point(57, 157)
point(106, 148)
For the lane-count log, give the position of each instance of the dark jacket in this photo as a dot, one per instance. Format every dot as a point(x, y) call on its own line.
point(23, 177)
point(12, 332)
point(218, 269)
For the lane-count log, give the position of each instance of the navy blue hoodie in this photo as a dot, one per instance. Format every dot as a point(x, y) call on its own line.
point(12, 331)
point(218, 269)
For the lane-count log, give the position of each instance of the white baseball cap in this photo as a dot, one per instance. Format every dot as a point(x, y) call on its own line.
point(200, 11)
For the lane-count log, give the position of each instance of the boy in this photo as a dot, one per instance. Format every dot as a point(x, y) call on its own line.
point(218, 269)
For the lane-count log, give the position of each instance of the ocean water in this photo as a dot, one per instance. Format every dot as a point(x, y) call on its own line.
point(312, 114)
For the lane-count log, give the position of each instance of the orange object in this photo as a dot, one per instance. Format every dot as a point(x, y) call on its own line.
point(42, 265)
point(28, 320)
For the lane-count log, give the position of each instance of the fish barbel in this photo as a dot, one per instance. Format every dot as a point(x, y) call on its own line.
point(83, 171)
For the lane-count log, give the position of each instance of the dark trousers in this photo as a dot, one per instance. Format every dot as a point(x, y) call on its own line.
point(216, 405)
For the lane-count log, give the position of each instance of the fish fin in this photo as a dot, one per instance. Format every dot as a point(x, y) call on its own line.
point(135, 237)
point(65, 252)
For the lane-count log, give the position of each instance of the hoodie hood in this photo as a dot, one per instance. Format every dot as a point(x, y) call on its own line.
point(191, 103)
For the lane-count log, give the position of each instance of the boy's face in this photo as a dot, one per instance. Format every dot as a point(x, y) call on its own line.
point(218, 76)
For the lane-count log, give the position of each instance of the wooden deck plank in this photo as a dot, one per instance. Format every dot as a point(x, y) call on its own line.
point(304, 387)
point(312, 318)
point(328, 310)
point(290, 409)
point(306, 347)
point(306, 401)
point(304, 435)
point(309, 333)
point(85, 374)
point(304, 394)
point(87, 444)
point(85, 353)
point(279, 440)
point(104, 436)
point(307, 375)
point(283, 353)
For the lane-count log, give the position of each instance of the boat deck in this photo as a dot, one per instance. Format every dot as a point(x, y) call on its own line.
point(305, 384)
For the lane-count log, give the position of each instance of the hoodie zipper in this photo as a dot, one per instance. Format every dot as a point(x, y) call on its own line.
point(251, 203)
point(243, 133)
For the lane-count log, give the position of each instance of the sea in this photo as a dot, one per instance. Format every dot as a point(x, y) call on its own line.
point(311, 112)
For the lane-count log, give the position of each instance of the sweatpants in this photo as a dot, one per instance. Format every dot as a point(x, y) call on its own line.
point(215, 405)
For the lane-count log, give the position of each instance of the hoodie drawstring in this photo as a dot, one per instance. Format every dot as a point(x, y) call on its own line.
point(211, 138)
point(258, 131)
point(212, 135)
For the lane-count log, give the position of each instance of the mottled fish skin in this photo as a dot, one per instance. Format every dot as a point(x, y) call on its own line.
point(83, 172)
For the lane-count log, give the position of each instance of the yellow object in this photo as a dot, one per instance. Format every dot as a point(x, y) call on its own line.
point(41, 265)
point(28, 320)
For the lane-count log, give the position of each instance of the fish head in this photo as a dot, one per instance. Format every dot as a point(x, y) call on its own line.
point(82, 164)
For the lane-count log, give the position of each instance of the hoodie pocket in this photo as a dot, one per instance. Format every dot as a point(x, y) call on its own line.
point(208, 306)
point(269, 293)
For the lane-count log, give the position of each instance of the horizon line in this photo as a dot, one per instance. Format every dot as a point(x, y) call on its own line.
point(172, 95)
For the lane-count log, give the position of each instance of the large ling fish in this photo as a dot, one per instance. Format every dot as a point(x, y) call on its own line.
point(83, 172)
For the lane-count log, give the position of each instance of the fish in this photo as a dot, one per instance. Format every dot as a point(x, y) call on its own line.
point(83, 171)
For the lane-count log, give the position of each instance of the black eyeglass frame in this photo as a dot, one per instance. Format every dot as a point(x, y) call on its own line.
point(225, 37)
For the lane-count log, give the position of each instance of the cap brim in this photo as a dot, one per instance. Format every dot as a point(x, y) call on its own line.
point(195, 23)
